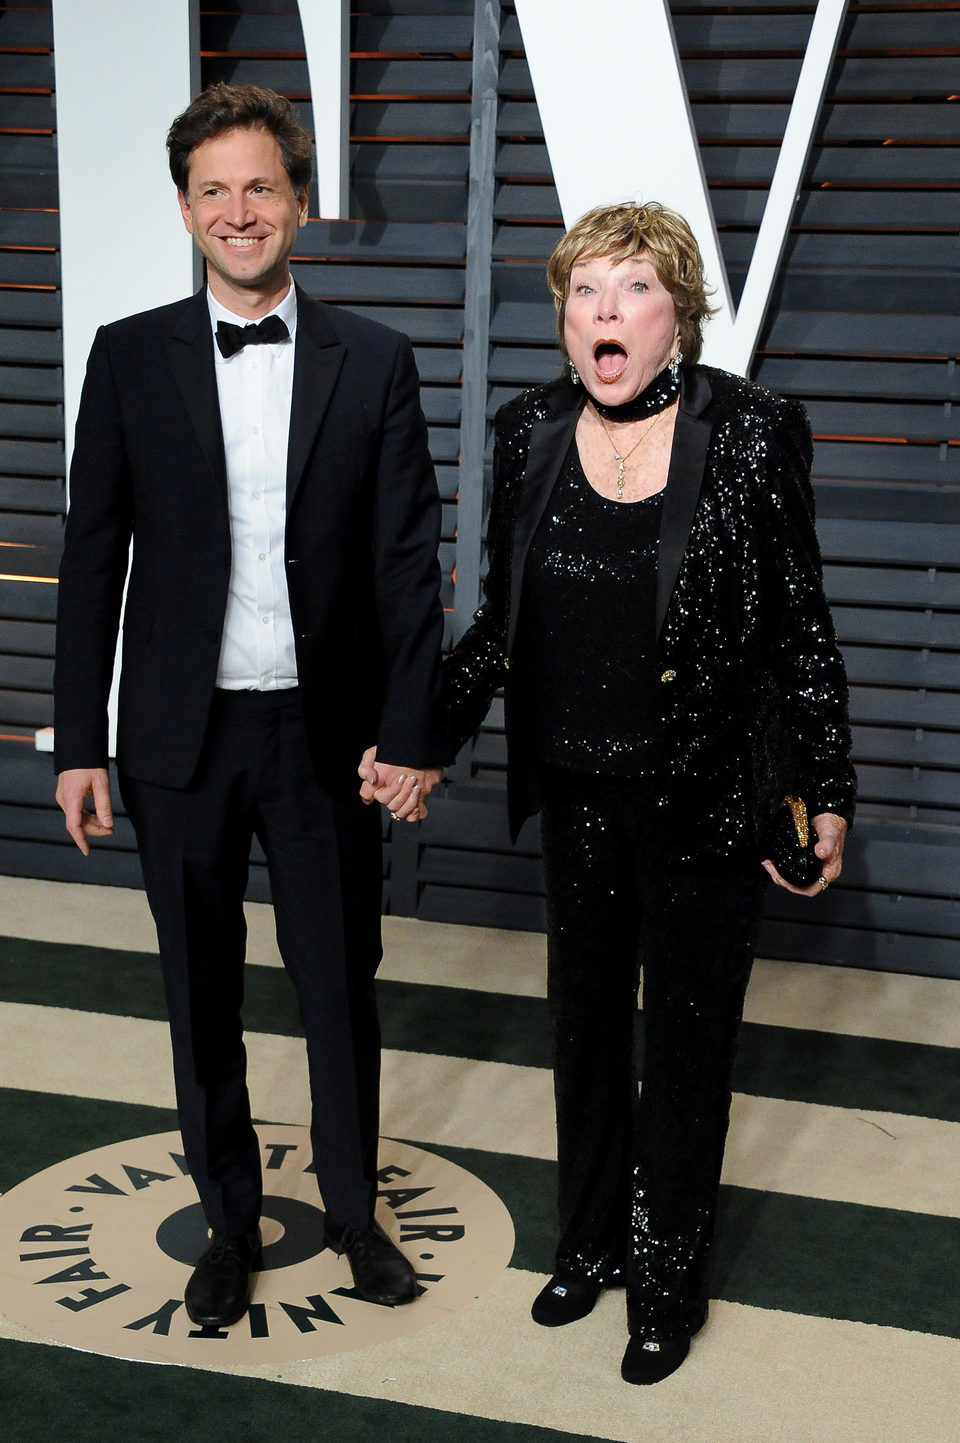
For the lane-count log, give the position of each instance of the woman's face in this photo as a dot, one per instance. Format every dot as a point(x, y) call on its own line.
point(619, 326)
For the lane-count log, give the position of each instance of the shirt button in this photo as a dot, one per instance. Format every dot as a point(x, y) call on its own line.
point(254, 430)
point(266, 621)
point(255, 495)
point(262, 556)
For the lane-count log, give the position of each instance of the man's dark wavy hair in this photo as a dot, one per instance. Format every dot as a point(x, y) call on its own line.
point(222, 107)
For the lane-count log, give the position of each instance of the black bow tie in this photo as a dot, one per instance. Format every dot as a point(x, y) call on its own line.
point(231, 338)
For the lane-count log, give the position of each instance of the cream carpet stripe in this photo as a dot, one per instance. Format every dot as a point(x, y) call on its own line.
point(883, 1159)
point(754, 1376)
point(783, 994)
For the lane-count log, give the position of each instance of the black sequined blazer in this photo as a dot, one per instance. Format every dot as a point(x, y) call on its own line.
point(752, 690)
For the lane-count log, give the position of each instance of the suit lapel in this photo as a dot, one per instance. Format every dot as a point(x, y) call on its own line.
point(189, 349)
point(549, 442)
point(691, 440)
point(319, 357)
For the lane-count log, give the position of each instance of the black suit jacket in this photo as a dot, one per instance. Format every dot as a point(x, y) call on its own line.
point(752, 695)
point(362, 530)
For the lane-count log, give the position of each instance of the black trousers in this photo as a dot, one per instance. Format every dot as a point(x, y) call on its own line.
point(639, 1176)
point(323, 854)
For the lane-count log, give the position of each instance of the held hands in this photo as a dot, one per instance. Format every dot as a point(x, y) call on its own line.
point(402, 790)
point(831, 832)
point(73, 788)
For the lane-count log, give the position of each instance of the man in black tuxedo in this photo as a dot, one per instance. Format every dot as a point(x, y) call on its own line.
point(268, 456)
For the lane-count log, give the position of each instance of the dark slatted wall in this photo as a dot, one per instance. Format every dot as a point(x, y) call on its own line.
point(447, 239)
point(31, 433)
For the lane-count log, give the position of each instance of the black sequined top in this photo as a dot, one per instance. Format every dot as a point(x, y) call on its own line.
point(585, 634)
point(750, 687)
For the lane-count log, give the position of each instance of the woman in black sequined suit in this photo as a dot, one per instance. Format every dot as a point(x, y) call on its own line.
point(655, 613)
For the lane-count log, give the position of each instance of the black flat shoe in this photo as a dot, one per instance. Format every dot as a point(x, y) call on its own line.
point(218, 1292)
point(648, 1362)
point(381, 1274)
point(564, 1300)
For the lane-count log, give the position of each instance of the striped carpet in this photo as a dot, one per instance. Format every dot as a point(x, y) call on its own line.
point(837, 1266)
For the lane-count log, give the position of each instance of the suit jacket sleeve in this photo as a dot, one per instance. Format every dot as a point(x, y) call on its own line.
point(92, 570)
point(406, 535)
point(802, 654)
point(477, 666)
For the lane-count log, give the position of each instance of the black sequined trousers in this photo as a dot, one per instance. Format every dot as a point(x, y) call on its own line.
point(639, 1176)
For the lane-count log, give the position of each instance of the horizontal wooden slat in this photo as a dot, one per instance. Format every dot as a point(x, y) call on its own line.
point(441, 119)
point(860, 947)
point(29, 308)
point(421, 78)
point(903, 707)
point(904, 667)
point(913, 421)
point(770, 78)
point(23, 419)
point(31, 527)
point(31, 600)
point(382, 283)
point(422, 324)
point(908, 746)
point(908, 628)
point(766, 120)
point(26, 673)
point(887, 380)
point(863, 31)
point(32, 458)
point(848, 331)
point(32, 493)
point(909, 785)
point(30, 347)
point(31, 383)
point(872, 462)
point(923, 543)
point(28, 638)
point(26, 708)
point(381, 242)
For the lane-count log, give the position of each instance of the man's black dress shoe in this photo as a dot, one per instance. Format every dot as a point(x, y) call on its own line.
point(218, 1292)
point(564, 1300)
point(381, 1274)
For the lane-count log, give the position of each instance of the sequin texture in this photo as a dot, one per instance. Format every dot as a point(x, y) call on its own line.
point(657, 875)
point(757, 701)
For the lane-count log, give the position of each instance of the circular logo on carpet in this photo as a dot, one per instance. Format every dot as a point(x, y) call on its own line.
point(97, 1251)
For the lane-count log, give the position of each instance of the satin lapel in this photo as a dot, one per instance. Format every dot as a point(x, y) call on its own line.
point(189, 349)
point(549, 443)
point(319, 357)
point(691, 440)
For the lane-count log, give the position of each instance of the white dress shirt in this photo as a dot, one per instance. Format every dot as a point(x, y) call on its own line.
point(255, 387)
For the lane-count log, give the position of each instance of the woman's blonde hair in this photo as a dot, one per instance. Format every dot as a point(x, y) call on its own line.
point(619, 232)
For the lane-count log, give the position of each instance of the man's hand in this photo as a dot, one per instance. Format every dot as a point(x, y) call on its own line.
point(402, 790)
point(73, 787)
point(831, 832)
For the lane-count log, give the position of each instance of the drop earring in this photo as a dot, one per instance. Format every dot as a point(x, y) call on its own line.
point(674, 367)
point(574, 373)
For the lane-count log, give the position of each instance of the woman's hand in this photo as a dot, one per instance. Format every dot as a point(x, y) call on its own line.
point(831, 832)
point(402, 790)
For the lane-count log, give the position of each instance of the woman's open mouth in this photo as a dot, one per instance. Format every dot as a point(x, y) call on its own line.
point(609, 361)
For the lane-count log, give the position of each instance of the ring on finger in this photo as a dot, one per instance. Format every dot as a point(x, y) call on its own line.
point(824, 884)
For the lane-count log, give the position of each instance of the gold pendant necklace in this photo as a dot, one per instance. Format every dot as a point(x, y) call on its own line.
point(621, 459)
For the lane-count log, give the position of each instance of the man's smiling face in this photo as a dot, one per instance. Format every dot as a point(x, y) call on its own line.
point(243, 214)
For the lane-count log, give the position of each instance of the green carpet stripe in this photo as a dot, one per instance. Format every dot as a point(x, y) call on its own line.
point(773, 1250)
point(53, 1393)
point(784, 1062)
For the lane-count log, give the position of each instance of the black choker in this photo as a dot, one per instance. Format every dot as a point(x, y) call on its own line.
point(662, 391)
